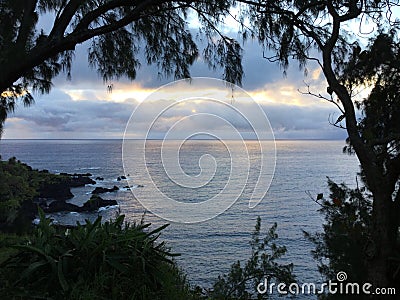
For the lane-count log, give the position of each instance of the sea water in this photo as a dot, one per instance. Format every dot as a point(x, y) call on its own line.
point(207, 248)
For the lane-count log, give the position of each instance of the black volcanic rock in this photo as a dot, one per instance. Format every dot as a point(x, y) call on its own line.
point(59, 188)
point(58, 191)
point(101, 190)
point(96, 202)
point(76, 174)
point(129, 188)
point(91, 205)
point(57, 206)
point(78, 180)
point(25, 189)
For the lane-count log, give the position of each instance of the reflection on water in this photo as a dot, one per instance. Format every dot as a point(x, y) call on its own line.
point(208, 248)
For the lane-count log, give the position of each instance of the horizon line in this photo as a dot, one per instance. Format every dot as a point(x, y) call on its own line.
point(157, 139)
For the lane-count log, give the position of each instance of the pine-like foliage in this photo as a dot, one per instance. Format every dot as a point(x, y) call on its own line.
point(242, 280)
point(122, 34)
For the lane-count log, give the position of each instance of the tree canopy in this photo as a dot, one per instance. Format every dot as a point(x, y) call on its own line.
point(118, 31)
point(333, 34)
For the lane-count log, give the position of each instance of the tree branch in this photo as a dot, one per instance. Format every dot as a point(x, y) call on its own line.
point(61, 23)
point(365, 154)
point(309, 33)
point(27, 24)
point(319, 96)
point(56, 43)
point(94, 14)
point(335, 124)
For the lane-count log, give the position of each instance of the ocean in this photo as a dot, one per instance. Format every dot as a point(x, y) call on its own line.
point(209, 247)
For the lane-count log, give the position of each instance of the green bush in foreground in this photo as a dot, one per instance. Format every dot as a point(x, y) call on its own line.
point(241, 282)
point(344, 244)
point(113, 260)
point(116, 260)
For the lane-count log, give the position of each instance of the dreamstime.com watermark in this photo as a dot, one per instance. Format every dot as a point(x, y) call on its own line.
point(341, 287)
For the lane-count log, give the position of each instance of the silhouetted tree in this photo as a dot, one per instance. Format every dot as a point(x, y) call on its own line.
point(323, 31)
point(31, 57)
point(346, 232)
point(243, 279)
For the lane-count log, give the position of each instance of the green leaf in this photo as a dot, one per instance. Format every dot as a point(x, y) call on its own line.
point(157, 230)
point(61, 277)
point(32, 268)
point(117, 265)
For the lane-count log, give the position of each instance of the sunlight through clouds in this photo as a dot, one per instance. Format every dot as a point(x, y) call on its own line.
point(86, 107)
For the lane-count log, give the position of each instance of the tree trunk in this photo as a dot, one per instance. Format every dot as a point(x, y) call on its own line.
point(384, 213)
point(383, 240)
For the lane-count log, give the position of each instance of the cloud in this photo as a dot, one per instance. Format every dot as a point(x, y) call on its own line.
point(59, 116)
point(82, 107)
point(258, 71)
point(303, 122)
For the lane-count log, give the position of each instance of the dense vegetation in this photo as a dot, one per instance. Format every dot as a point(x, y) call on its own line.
point(19, 186)
point(241, 281)
point(346, 243)
point(113, 260)
point(109, 260)
point(346, 233)
point(353, 62)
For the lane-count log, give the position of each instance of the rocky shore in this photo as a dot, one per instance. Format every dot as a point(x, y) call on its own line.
point(52, 196)
point(28, 189)
point(92, 205)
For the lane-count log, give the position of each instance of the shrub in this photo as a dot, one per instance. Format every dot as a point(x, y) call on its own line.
point(343, 244)
point(241, 282)
point(114, 260)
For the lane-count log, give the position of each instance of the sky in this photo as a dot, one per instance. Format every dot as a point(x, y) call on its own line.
point(83, 108)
